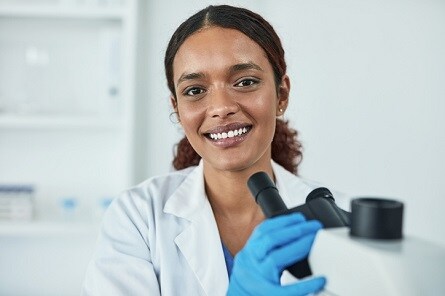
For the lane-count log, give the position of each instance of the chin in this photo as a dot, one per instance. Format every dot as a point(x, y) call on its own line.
point(230, 164)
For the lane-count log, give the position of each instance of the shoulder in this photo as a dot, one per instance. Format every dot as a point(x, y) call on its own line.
point(146, 200)
point(162, 186)
point(156, 190)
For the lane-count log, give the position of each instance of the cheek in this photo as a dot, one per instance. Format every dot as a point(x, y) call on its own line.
point(191, 118)
point(264, 106)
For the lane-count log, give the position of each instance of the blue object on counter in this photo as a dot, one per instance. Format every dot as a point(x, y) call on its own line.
point(69, 203)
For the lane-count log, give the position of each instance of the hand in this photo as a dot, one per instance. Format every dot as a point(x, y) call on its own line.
point(275, 244)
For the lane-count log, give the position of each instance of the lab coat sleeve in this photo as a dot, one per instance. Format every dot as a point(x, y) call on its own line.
point(122, 263)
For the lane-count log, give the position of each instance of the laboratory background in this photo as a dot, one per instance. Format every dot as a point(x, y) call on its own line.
point(84, 114)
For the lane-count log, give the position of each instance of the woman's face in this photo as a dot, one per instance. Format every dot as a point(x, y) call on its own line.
point(227, 100)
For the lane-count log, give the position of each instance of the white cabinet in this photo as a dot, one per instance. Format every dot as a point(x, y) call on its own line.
point(67, 85)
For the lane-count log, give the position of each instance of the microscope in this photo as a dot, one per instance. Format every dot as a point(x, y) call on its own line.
point(362, 252)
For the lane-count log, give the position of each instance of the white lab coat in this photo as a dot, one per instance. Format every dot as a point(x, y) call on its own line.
point(161, 238)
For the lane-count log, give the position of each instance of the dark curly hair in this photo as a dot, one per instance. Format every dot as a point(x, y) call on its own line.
point(286, 149)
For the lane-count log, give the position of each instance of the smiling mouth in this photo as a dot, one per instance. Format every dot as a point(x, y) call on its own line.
point(233, 133)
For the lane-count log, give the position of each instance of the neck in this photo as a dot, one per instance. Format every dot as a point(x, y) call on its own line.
point(229, 195)
point(235, 210)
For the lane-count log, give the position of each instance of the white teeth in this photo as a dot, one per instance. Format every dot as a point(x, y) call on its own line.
point(229, 134)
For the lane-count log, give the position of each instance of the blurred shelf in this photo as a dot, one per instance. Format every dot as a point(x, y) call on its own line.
point(42, 228)
point(56, 122)
point(55, 11)
point(77, 50)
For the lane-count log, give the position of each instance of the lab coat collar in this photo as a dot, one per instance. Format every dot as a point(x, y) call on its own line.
point(190, 197)
point(292, 189)
point(199, 241)
point(282, 176)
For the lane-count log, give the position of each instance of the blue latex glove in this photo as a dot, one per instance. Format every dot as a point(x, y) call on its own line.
point(275, 244)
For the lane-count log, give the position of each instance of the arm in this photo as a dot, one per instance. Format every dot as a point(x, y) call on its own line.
point(121, 264)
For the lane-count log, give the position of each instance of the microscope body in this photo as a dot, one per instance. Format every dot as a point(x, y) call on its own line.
point(361, 266)
point(363, 252)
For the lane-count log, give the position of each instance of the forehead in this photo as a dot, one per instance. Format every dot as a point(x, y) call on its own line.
point(217, 48)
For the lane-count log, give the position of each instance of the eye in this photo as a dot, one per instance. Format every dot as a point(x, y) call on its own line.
point(193, 91)
point(247, 82)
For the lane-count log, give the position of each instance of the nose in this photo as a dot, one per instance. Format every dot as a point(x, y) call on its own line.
point(222, 104)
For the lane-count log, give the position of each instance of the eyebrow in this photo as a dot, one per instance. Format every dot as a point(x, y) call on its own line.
point(245, 66)
point(189, 76)
point(233, 69)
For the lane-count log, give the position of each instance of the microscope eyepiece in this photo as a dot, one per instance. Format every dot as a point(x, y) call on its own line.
point(266, 194)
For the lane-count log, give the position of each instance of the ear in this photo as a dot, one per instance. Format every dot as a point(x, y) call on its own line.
point(283, 95)
point(175, 112)
point(174, 103)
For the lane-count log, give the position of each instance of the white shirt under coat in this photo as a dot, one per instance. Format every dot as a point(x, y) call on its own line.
point(161, 238)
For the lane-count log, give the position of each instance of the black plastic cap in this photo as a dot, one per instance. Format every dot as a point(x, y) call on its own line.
point(376, 218)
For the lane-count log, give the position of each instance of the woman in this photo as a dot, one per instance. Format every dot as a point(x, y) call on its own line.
point(177, 234)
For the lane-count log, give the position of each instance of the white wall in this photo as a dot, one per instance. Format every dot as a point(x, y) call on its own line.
point(367, 96)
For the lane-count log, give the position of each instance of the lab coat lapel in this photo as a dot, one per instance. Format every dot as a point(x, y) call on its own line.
point(199, 242)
